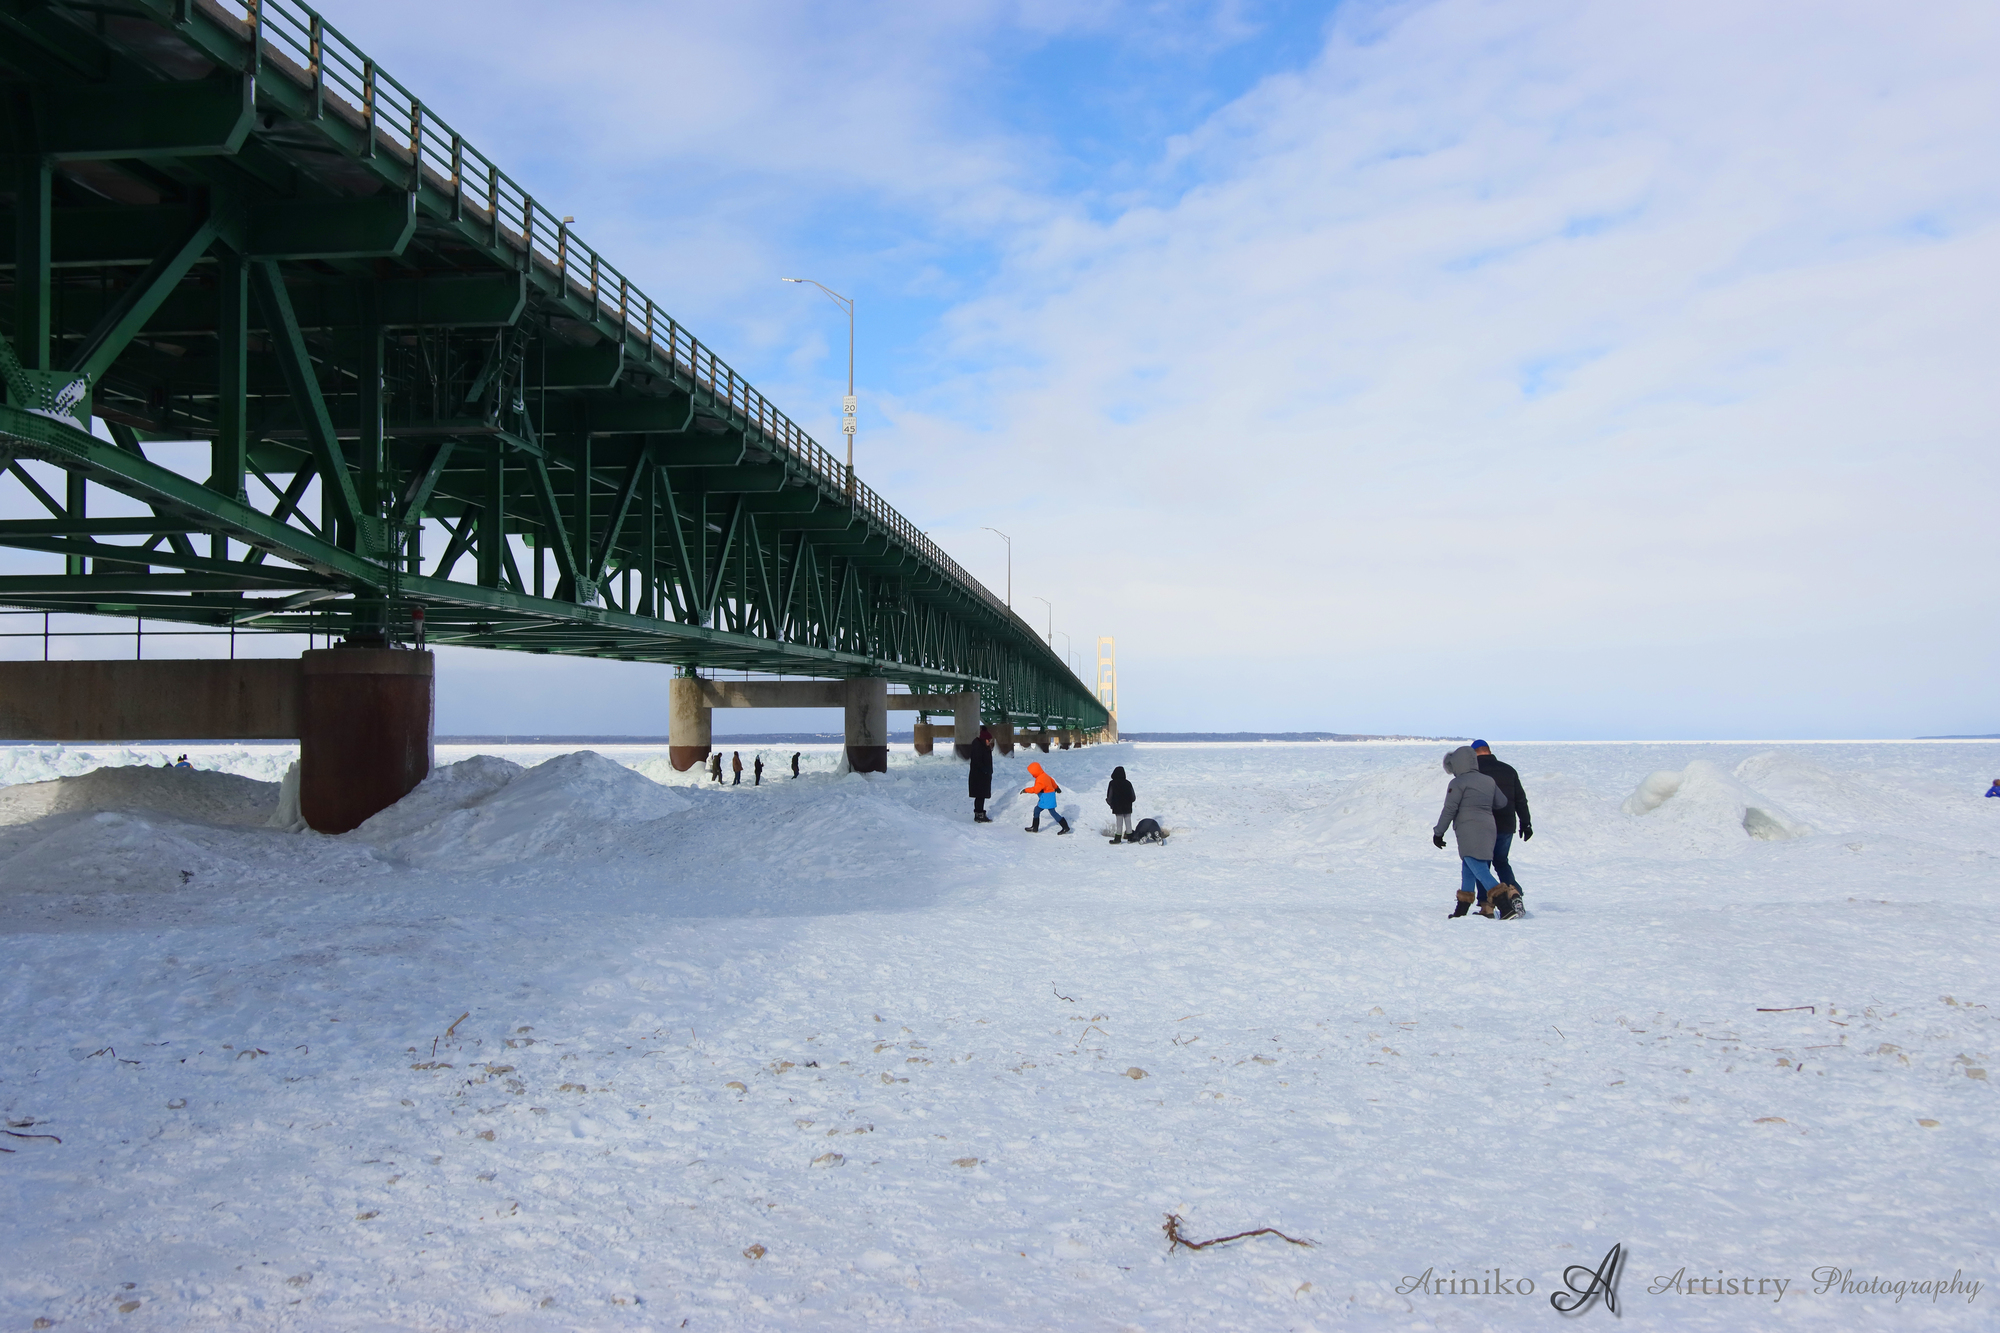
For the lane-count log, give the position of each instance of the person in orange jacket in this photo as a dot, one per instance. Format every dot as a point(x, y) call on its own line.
point(1045, 790)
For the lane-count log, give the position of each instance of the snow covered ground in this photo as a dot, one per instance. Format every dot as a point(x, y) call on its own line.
point(592, 1045)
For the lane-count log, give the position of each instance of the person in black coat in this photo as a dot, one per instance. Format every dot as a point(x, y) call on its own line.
point(795, 763)
point(979, 780)
point(1120, 796)
point(1509, 782)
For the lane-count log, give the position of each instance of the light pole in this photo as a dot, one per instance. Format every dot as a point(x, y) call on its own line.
point(1052, 618)
point(1010, 564)
point(847, 404)
point(1068, 648)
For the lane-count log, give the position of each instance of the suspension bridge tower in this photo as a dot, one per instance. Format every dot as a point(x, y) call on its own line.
point(1107, 682)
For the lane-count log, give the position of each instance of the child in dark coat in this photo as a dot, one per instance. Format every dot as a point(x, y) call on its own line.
point(1119, 796)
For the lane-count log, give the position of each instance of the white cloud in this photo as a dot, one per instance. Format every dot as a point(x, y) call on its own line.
point(1554, 368)
point(1658, 336)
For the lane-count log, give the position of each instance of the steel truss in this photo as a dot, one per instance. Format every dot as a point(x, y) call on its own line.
point(229, 226)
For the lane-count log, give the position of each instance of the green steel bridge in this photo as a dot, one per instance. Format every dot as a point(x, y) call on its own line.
point(230, 226)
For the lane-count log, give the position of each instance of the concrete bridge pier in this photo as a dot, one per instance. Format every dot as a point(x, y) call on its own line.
point(1003, 735)
point(965, 722)
point(923, 735)
point(867, 709)
point(1041, 739)
point(690, 723)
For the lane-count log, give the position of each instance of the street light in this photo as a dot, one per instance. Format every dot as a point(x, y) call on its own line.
point(1052, 619)
point(1010, 564)
point(847, 405)
point(1068, 648)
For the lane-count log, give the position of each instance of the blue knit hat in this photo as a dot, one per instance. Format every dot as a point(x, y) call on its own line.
point(1481, 745)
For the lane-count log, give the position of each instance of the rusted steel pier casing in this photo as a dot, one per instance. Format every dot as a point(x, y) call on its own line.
point(365, 732)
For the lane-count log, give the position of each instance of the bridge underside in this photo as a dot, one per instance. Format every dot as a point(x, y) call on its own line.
point(418, 399)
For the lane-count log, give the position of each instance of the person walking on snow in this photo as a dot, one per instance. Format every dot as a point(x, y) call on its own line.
point(1469, 803)
point(795, 763)
point(1045, 791)
point(757, 778)
point(736, 767)
point(1120, 797)
point(1509, 782)
point(715, 766)
point(979, 780)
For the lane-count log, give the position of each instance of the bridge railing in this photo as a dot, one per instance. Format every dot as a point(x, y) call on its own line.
point(344, 81)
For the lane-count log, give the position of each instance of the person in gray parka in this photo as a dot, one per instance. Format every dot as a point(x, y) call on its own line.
point(1469, 804)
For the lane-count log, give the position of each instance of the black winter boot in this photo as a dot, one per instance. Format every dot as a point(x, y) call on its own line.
point(1464, 904)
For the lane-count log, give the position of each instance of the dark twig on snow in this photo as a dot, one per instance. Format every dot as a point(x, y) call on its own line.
point(12, 1134)
point(1175, 1238)
point(455, 1022)
point(1793, 1010)
point(1059, 995)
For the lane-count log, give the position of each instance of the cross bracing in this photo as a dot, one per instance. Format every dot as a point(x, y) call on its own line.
point(419, 390)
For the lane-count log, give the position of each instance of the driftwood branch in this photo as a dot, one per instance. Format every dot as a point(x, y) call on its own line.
point(1175, 1238)
point(1792, 1010)
point(12, 1134)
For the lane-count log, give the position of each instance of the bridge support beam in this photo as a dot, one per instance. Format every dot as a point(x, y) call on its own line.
point(362, 716)
point(867, 707)
point(690, 723)
point(365, 732)
point(922, 735)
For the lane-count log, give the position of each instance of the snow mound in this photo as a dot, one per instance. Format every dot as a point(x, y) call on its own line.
point(485, 811)
point(185, 793)
point(1703, 798)
point(119, 853)
point(1397, 806)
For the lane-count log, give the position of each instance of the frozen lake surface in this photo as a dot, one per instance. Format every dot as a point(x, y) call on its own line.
point(568, 1041)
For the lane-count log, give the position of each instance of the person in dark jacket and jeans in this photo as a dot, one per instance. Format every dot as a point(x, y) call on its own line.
point(1509, 782)
point(1469, 804)
point(1120, 796)
point(979, 781)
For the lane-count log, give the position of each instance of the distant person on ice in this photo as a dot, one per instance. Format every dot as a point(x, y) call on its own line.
point(1045, 790)
point(1509, 782)
point(979, 781)
point(1120, 796)
point(795, 763)
point(757, 778)
point(736, 767)
point(715, 765)
point(1994, 790)
point(1469, 803)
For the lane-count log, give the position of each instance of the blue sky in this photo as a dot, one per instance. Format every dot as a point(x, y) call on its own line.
point(1538, 369)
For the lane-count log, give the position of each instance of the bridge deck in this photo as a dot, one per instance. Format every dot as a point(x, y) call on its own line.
point(229, 225)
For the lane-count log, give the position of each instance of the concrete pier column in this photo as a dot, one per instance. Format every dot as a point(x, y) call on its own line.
point(1003, 736)
point(965, 722)
point(1063, 739)
point(365, 732)
point(1042, 740)
point(690, 722)
point(922, 734)
point(867, 707)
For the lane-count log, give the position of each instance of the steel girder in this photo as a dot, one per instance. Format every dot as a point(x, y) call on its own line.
point(229, 226)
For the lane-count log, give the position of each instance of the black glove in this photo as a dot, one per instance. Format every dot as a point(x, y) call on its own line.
point(1437, 840)
point(1526, 833)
